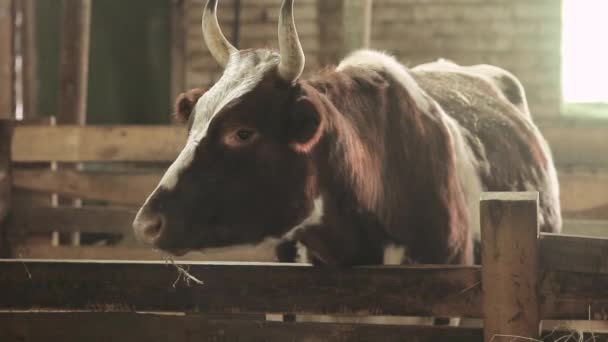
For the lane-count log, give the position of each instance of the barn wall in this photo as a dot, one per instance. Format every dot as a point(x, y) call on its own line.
point(258, 28)
point(520, 35)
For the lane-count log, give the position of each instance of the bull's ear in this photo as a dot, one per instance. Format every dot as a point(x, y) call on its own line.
point(184, 104)
point(305, 124)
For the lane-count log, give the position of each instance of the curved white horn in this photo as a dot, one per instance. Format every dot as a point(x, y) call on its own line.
point(216, 42)
point(292, 55)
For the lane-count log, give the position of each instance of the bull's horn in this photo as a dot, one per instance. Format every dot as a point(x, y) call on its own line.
point(292, 55)
point(216, 42)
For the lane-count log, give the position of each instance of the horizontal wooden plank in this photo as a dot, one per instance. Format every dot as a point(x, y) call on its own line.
point(96, 143)
point(571, 144)
point(247, 288)
point(118, 220)
point(117, 188)
point(575, 143)
point(112, 220)
point(584, 195)
point(567, 295)
point(145, 327)
point(258, 288)
point(573, 253)
point(591, 228)
point(263, 252)
point(132, 327)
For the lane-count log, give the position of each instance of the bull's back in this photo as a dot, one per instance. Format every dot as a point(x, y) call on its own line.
point(508, 151)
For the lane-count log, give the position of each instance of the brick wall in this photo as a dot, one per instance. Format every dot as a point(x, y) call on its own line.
point(258, 28)
point(522, 36)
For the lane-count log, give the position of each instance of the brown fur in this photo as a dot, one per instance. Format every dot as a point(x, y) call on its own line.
point(385, 170)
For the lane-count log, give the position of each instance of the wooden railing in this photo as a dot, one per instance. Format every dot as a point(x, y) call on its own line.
point(525, 278)
point(124, 163)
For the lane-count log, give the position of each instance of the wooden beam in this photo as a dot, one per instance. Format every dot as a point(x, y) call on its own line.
point(117, 188)
point(7, 59)
point(74, 61)
point(584, 195)
point(177, 20)
point(590, 228)
point(98, 219)
point(573, 253)
point(162, 143)
point(577, 143)
point(357, 24)
point(576, 295)
point(140, 327)
point(28, 54)
point(259, 288)
point(28, 327)
point(263, 252)
point(6, 128)
point(98, 143)
point(5, 168)
point(509, 233)
point(246, 288)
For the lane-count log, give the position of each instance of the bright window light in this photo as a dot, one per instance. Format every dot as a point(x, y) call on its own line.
point(585, 51)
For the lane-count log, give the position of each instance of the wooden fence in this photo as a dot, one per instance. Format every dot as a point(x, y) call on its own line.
point(526, 278)
point(122, 165)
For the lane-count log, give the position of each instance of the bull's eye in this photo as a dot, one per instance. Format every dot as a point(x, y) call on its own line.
point(244, 134)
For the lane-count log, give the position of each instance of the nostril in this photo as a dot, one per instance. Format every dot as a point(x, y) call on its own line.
point(149, 227)
point(153, 228)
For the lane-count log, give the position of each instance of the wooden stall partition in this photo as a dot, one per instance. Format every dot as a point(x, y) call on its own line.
point(6, 128)
point(509, 235)
point(7, 59)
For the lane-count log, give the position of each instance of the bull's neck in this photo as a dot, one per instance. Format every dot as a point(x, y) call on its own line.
point(347, 158)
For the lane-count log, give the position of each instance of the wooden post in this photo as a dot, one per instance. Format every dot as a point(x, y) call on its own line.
point(344, 26)
point(356, 24)
point(74, 61)
point(177, 20)
point(28, 52)
point(6, 129)
point(509, 234)
point(74, 68)
point(7, 60)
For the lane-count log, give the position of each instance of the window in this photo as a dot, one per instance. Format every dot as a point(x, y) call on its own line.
point(585, 57)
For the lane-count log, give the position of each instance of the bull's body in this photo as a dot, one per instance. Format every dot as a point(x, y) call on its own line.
point(408, 154)
point(367, 163)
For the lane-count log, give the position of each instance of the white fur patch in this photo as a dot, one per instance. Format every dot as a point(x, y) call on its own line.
point(467, 167)
point(302, 254)
point(394, 254)
point(243, 73)
point(492, 74)
point(315, 218)
point(379, 61)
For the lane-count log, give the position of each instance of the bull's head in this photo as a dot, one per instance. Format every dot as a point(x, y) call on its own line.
point(246, 171)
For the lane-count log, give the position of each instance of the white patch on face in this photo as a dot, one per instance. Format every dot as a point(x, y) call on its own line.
point(243, 73)
point(315, 218)
point(183, 160)
point(394, 254)
point(379, 61)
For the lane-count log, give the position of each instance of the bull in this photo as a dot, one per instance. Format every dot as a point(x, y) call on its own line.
point(368, 162)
